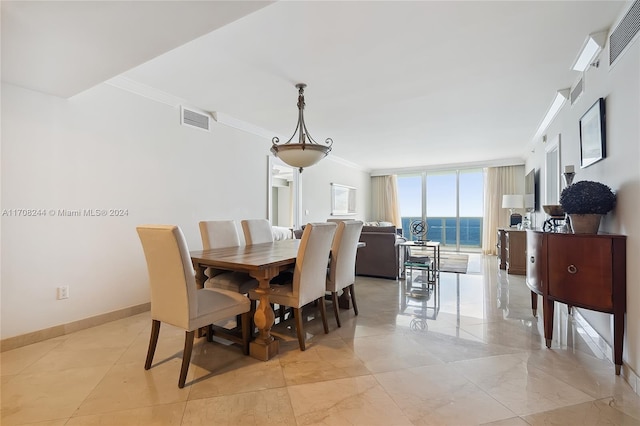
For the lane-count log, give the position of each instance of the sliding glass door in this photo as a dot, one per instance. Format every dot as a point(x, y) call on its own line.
point(451, 203)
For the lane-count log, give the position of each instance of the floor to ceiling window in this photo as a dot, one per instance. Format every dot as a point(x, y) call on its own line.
point(450, 202)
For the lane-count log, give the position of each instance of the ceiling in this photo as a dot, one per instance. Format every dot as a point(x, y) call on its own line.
point(394, 84)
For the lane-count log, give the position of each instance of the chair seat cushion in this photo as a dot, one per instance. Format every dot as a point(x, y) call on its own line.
point(239, 282)
point(216, 304)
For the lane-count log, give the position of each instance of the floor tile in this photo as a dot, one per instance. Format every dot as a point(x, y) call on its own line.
point(268, 407)
point(351, 401)
point(157, 415)
point(591, 413)
point(437, 394)
point(53, 395)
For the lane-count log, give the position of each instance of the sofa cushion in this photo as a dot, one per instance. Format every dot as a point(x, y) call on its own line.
point(391, 229)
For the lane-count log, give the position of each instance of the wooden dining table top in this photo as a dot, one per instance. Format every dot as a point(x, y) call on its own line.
point(251, 257)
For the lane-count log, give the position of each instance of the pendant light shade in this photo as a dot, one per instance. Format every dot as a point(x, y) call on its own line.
point(306, 151)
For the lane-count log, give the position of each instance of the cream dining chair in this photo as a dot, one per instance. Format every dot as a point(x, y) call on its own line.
point(342, 266)
point(220, 234)
point(309, 277)
point(175, 299)
point(257, 231)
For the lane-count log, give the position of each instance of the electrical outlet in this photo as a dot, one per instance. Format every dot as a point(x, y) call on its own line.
point(63, 292)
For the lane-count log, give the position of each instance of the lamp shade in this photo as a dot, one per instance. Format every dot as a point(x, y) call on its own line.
point(300, 155)
point(512, 201)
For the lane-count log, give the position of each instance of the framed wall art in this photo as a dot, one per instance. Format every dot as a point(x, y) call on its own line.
point(343, 200)
point(593, 135)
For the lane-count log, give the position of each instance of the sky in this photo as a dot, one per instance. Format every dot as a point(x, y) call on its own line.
point(441, 194)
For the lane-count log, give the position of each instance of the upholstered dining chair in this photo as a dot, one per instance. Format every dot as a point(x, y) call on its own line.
point(175, 299)
point(220, 234)
point(257, 231)
point(309, 277)
point(342, 266)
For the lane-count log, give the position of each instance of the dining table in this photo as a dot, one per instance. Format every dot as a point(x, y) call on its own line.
point(261, 261)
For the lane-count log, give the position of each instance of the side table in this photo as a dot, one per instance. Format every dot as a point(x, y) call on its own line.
point(405, 253)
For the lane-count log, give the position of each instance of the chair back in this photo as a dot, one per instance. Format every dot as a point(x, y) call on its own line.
point(342, 267)
point(219, 234)
point(171, 275)
point(310, 275)
point(257, 231)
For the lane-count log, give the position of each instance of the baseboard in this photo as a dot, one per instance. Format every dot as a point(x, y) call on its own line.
point(627, 373)
point(60, 330)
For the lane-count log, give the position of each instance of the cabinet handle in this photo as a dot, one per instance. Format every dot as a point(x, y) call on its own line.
point(572, 269)
point(532, 259)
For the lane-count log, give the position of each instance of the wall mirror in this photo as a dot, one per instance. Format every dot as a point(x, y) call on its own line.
point(343, 200)
point(552, 171)
point(284, 194)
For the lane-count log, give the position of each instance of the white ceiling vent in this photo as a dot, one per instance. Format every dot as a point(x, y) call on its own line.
point(194, 118)
point(625, 32)
point(576, 91)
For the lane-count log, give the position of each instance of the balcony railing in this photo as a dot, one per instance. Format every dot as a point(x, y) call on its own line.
point(443, 230)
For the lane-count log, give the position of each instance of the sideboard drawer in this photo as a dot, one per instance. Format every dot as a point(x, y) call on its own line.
point(581, 274)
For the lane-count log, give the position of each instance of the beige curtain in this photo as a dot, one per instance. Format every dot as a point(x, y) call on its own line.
point(384, 199)
point(499, 181)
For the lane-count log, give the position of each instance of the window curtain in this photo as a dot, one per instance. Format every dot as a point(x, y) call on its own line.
point(499, 181)
point(384, 199)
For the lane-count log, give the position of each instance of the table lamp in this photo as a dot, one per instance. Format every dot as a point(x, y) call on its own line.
point(512, 202)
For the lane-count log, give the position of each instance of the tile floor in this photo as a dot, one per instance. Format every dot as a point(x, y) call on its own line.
point(480, 359)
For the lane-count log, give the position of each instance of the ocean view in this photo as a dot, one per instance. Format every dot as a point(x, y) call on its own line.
point(443, 230)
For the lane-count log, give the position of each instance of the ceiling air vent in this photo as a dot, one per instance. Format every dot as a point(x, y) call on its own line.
point(625, 32)
point(192, 118)
point(577, 91)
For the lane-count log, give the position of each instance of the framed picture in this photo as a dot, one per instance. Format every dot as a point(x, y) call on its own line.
point(593, 134)
point(343, 200)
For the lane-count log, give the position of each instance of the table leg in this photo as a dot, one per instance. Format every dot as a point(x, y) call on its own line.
point(264, 347)
point(618, 337)
point(404, 253)
point(201, 278)
point(547, 315)
point(534, 303)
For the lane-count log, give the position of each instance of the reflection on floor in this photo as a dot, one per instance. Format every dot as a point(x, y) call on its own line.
point(467, 352)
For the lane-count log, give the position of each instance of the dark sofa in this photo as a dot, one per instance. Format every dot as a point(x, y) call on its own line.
point(379, 258)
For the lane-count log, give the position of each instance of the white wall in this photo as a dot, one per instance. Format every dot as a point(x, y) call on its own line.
point(316, 190)
point(103, 149)
point(620, 86)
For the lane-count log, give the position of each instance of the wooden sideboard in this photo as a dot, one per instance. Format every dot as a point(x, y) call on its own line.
point(511, 250)
point(584, 270)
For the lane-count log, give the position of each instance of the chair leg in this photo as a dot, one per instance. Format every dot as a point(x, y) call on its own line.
point(297, 313)
point(153, 341)
point(186, 357)
point(334, 296)
point(246, 332)
point(352, 289)
point(210, 333)
point(323, 314)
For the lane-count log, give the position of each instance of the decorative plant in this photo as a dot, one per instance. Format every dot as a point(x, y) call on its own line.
point(587, 197)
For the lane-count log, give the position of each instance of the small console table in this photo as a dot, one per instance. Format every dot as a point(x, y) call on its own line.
point(584, 270)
